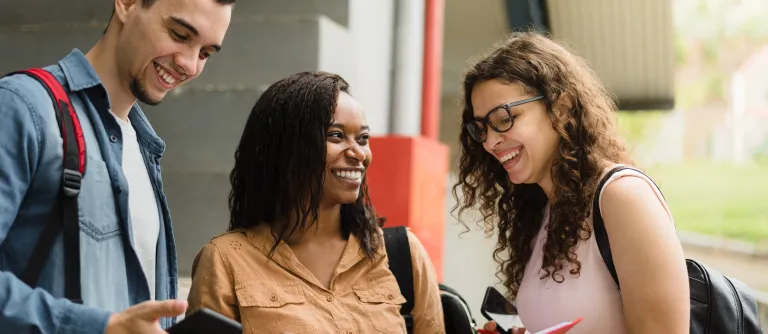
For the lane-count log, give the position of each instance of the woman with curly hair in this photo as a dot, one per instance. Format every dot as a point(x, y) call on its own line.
point(304, 252)
point(538, 135)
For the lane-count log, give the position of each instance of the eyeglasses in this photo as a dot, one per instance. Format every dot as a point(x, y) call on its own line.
point(500, 119)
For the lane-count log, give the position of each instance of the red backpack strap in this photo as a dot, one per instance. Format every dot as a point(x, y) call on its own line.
point(72, 175)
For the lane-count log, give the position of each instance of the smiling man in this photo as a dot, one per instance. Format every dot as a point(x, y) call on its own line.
point(128, 278)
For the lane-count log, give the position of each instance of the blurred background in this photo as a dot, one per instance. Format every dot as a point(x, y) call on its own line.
point(690, 77)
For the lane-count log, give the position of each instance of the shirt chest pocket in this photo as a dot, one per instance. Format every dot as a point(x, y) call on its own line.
point(381, 300)
point(98, 213)
point(268, 307)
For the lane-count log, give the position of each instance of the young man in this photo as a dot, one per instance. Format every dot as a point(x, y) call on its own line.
point(127, 253)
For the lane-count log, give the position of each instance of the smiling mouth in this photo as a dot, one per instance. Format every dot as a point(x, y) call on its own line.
point(354, 175)
point(509, 156)
point(167, 78)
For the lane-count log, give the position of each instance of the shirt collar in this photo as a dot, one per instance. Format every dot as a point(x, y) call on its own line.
point(79, 72)
point(82, 76)
point(261, 237)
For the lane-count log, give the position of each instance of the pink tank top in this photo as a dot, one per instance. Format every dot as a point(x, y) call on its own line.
point(592, 295)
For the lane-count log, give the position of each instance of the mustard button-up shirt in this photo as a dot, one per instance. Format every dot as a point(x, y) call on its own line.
point(233, 275)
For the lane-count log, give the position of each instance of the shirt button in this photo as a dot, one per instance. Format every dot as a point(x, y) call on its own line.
point(113, 138)
point(350, 332)
point(273, 298)
point(329, 299)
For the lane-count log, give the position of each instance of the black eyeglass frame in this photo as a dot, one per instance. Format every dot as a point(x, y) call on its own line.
point(507, 107)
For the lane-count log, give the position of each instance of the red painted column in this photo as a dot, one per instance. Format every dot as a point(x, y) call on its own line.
point(433, 65)
point(407, 184)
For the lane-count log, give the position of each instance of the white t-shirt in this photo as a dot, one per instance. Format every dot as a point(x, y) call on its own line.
point(142, 204)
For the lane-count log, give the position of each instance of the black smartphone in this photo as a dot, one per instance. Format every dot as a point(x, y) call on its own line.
point(205, 321)
point(496, 307)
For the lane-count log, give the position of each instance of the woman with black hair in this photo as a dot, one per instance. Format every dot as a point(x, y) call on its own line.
point(304, 252)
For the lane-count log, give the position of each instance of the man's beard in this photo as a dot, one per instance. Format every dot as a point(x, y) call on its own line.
point(140, 92)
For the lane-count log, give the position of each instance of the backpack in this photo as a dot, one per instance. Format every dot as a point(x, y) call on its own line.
point(457, 316)
point(719, 304)
point(72, 174)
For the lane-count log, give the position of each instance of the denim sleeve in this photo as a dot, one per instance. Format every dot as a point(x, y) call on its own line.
point(23, 309)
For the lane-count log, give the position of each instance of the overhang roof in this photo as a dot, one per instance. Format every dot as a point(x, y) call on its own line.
point(629, 43)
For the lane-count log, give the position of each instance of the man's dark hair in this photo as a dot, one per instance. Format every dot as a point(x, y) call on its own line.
point(280, 162)
point(149, 3)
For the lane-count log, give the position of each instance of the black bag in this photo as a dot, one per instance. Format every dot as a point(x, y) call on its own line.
point(458, 318)
point(72, 174)
point(719, 304)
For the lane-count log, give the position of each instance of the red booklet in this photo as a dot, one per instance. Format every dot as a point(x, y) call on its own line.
point(560, 328)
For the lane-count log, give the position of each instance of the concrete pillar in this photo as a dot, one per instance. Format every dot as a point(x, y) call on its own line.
point(408, 68)
point(371, 24)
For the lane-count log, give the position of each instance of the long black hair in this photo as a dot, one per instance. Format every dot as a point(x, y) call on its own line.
point(280, 162)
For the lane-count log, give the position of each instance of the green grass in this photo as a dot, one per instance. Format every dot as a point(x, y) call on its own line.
point(634, 126)
point(717, 199)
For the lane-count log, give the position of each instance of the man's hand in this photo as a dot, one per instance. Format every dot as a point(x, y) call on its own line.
point(143, 318)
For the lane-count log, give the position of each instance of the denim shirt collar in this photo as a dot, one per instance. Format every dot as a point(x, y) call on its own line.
point(82, 76)
point(145, 132)
point(79, 72)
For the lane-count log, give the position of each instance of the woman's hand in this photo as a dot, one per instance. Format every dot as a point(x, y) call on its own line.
point(490, 328)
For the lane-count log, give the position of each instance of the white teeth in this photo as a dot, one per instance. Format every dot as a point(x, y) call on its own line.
point(166, 77)
point(169, 79)
point(349, 175)
point(509, 156)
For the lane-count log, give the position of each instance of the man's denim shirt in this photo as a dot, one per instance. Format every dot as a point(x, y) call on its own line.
point(30, 178)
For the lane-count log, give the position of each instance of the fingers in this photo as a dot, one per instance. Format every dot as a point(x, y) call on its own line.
point(153, 310)
point(490, 326)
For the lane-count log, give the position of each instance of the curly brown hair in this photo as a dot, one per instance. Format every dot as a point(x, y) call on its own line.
point(587, 139)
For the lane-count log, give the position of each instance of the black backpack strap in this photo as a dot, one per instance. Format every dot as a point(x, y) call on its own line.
point(601, 235)
point(399, 254)
point(72, 175)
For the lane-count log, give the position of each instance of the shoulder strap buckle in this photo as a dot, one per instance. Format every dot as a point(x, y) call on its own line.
point(71, 182)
